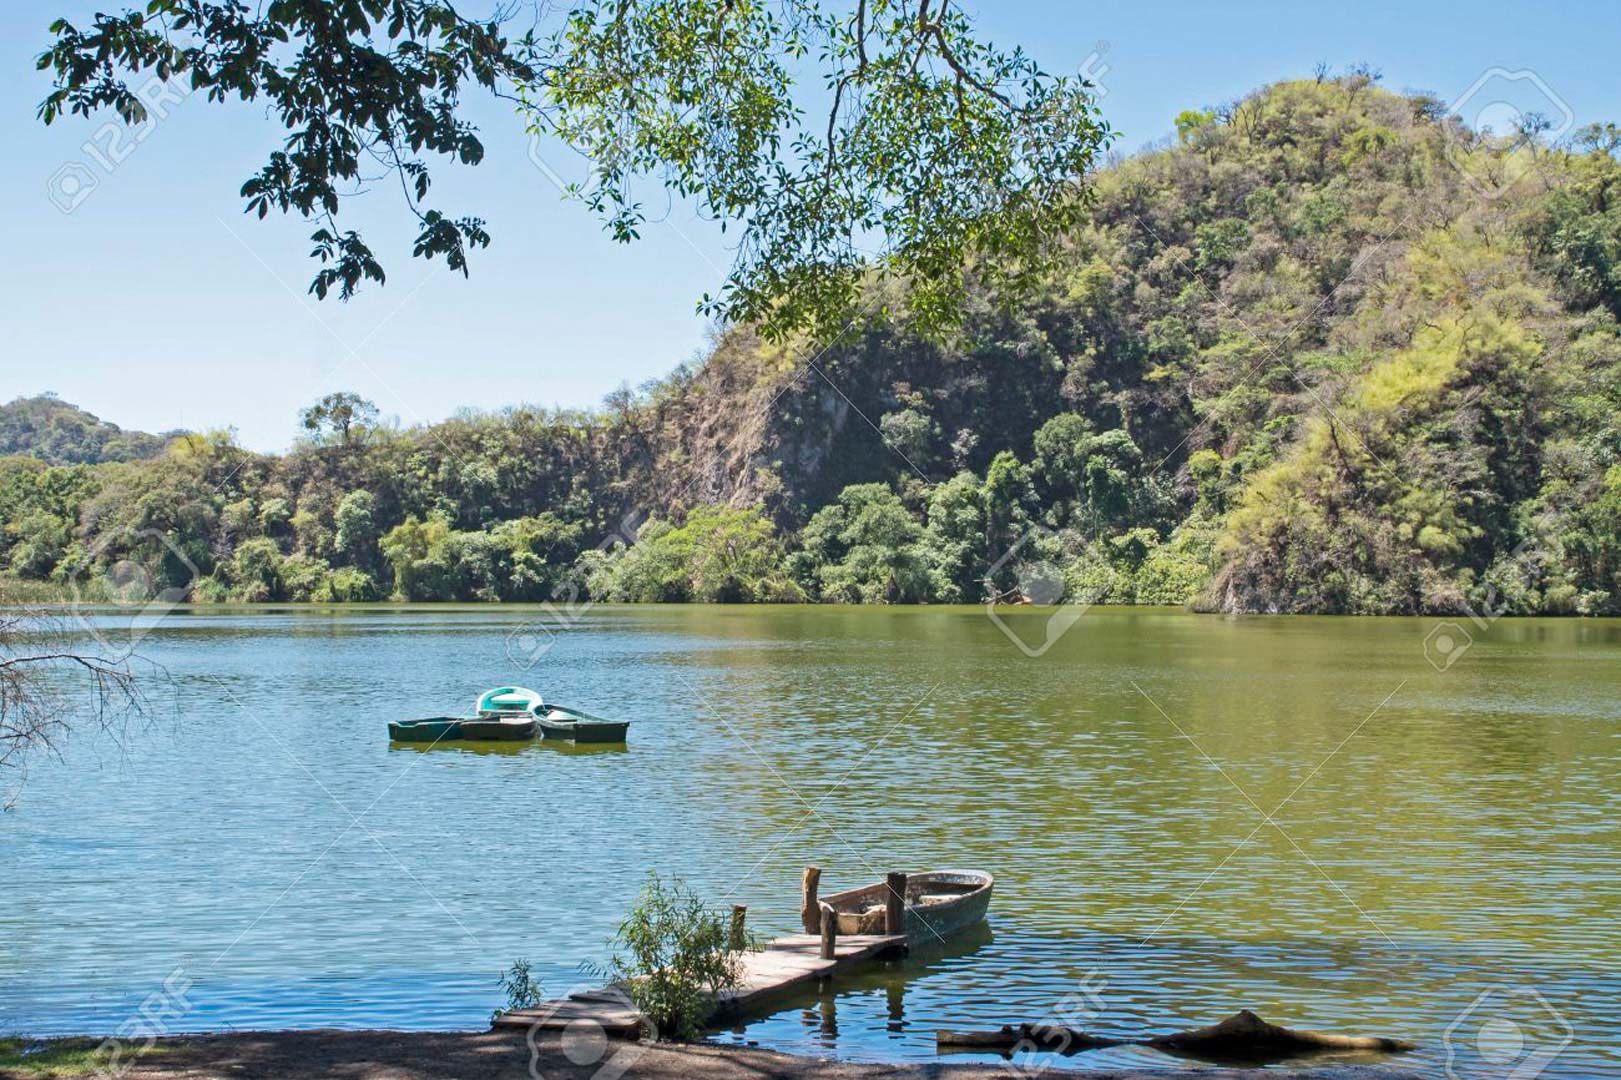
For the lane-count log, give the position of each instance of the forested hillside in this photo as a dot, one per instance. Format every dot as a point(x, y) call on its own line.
point(48, 428)
point(1327, 352)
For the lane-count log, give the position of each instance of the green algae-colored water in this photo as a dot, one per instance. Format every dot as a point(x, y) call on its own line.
point(1186, 815)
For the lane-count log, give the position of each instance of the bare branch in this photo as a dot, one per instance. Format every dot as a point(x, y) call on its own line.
point(48, 688)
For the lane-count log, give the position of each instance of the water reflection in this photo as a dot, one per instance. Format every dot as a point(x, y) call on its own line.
point(513, 748)
point(1460, 835)
point(488, 748)
point(574, 749)
point(1297, 1057)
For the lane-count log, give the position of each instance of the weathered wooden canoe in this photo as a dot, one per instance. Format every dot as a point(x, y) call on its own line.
point(939, 903)
point(562, 722)
point(432, 729)
point(507, 701)
point(499, 728)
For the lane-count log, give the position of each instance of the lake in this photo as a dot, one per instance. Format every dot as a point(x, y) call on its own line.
point(1186, 815)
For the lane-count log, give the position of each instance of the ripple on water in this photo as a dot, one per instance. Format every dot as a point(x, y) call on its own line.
point(261, 839)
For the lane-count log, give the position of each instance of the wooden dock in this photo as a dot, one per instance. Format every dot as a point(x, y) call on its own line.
point(879, 917)
point(785, 963)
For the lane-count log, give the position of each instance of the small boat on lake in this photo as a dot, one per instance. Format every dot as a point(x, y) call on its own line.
point(499, 728)
point(507, 700)
point(939, 903)
point(432, 729)
point(562, 722)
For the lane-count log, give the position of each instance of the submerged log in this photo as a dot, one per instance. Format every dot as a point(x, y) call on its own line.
point(1048, 1038)
point(1245, 1033)
point(1242, 1035)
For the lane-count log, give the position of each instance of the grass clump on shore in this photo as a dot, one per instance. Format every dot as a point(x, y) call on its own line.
point(49, 1058)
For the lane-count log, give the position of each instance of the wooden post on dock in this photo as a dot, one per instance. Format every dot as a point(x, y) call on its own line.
point(737, 941)
point(809, 913)
point(830, 932)
point(895, 905)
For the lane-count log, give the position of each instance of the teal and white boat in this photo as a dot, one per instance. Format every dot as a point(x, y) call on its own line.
point(432, 729)
point(507, 701)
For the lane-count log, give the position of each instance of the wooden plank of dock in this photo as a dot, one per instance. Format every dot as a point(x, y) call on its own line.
point(789, 961)
point(785, 963)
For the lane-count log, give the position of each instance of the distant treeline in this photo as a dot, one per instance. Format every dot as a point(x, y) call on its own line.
point(1328, 352)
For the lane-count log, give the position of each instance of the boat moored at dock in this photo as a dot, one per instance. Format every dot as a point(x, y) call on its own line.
point(938, 903)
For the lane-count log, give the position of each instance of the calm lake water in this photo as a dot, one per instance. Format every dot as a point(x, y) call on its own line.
point(1442, 850)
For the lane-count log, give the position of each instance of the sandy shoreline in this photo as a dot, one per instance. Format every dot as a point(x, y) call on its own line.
point(491, 1055)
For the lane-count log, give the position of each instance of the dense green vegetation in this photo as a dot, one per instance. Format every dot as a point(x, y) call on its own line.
point(675, 955)
point(928, 149)
point(51, 430)
point(1327, 352)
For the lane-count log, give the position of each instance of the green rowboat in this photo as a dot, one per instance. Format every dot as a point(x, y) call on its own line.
point(562, 722)
point(499, 728)
point(433, 729)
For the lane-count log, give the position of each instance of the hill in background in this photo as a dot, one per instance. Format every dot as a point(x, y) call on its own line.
point(1329, 351)
point(50, 429)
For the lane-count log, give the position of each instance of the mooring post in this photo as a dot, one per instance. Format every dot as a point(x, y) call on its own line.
point(809, 914)
point(830, 932)
point(895, 905)
point(737, 941)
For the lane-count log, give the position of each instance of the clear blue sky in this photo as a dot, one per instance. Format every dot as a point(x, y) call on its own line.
point(157, 304)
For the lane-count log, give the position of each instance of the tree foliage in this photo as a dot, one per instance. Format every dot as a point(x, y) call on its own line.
point(338, 419)
point(675, 954)
point(719, 555)
point(932, 146)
